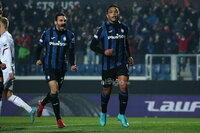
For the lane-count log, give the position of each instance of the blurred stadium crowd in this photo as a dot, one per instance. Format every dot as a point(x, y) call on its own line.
point(155, 27)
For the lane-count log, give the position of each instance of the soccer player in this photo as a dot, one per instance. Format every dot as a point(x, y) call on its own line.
point(59, 43)
point(115, 52)
point(7, 57)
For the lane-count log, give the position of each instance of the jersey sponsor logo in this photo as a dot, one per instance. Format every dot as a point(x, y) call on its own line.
point(57, 43)
point(172, 106)
point(53, 38)
point(116, 37)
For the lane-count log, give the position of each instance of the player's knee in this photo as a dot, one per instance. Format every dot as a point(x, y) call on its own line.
point(54, 91)
point(122, 84)
point(8, 94)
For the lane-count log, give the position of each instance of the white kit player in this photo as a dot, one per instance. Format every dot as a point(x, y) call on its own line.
point(7, 57)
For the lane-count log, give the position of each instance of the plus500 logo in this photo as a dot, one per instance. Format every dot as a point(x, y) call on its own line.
point(171, 106)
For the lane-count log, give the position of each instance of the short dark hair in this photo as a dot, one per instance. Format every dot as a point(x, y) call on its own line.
point(110, 6)
point(58, 14)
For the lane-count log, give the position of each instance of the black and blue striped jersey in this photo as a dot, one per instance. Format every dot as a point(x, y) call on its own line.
point(112, 36)
point(59, 46)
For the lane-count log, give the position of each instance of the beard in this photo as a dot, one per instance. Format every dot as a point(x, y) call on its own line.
point(62, 25)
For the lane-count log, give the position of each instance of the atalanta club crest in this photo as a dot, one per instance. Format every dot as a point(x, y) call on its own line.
point(64, 38)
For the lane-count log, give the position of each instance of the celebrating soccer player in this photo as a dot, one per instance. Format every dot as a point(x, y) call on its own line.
point(115, 52)
point(58, 42)
point(7, 57)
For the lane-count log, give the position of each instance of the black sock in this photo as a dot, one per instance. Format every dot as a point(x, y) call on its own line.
point(123, 100)
point(104, 102)
point(56, 105)
point(46, 100)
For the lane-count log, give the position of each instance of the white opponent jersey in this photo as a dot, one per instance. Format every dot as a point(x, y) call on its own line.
point(7, 51)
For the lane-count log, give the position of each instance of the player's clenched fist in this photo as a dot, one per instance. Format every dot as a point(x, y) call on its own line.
point(73, 68)
point(108, 52)
point(39, 62)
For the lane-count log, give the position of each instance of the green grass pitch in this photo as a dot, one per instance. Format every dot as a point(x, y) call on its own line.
point(91, 125)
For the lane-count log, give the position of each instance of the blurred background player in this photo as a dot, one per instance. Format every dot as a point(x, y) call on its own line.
point(116, 55)
point(1, 67)
point(7, 57)
point(59, 42)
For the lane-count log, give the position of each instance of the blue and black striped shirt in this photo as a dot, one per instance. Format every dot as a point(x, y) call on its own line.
point(112, 36)
point(58, 46)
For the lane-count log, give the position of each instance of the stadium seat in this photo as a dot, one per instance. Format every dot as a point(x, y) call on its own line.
point(156, 71)
point(165, 72)
point(90, 69)
point(138, 70)
point(98, 69)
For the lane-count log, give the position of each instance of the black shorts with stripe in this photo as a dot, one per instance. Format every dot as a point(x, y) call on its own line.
point(109, 76)
point(53, 75)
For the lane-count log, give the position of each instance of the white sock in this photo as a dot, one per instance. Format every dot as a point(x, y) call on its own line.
point(0, 106)
point(19, 102)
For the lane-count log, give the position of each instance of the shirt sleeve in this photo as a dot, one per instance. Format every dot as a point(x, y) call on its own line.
point(71, 50)
point(7, 55)
point(127, 44)
point(40, 45)
point(95, 42)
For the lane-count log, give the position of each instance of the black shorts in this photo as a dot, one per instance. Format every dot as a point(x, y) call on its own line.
point(58, 76)
point(109, 76)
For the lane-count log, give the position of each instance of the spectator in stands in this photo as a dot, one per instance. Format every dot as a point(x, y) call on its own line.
point(24, 43)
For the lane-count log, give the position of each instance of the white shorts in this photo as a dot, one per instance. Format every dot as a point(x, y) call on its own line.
point(8, 83)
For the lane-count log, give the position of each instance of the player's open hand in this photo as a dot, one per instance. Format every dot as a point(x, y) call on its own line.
point(3, 66)
point(38, 62)
point(73, 68)
point(108, 52)
point(131, 61)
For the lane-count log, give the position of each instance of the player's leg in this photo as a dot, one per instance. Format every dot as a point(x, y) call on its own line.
point(53, 84)
point(49, 76)
point(123, 99)
point(105, 96)
point(18, 101)
point(42, 103)
point(46, 100)
point(123, 77)
point(107, 80)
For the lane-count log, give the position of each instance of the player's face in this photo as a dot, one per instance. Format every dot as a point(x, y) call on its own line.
point(60, 23)
point(113, 14)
